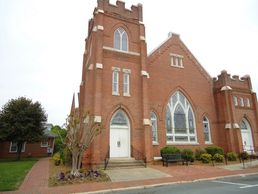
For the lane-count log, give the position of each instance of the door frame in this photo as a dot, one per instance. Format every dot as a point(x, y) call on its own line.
point(123, 127)
point(249, 133)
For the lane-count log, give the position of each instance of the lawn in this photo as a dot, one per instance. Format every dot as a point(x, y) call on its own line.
point(13, 172)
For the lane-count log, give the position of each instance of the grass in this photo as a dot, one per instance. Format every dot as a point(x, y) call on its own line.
point(13, 172)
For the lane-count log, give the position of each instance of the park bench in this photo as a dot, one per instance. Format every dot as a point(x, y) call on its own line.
point(172, 158)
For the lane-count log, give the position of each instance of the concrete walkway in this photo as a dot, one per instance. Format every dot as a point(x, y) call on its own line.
point(36, 181)
point(241, 166)
point(118, 175)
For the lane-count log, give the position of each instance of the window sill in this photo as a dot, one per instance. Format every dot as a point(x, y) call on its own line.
point(115, 94)
point(155, 143)
point(208, 143)
point(181, 67)
point(182, 143)
point(127, 95)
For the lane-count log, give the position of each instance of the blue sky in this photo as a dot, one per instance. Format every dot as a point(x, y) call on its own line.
point(42, 43)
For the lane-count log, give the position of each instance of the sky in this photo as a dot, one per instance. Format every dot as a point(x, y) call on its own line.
point(42, 43)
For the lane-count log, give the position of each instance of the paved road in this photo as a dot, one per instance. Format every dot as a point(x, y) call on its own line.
point(233, 185)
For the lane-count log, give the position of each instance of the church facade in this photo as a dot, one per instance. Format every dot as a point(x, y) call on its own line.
point(146, 102)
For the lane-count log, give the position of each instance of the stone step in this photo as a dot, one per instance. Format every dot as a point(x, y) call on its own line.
point(125, 163)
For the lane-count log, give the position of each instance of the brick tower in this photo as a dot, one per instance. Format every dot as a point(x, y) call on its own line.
point(114, 83)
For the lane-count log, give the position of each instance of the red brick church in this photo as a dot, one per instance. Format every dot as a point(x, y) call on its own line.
point(146, 102)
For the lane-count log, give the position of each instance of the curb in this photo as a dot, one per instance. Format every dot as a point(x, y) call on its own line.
point(165, 184)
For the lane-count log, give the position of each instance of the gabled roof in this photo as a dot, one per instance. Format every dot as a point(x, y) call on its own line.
point(154, 54)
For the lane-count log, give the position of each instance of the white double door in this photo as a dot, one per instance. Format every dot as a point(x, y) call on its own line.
point(119, 142)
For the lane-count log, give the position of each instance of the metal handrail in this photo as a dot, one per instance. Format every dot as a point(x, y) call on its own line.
point(106, 158)
point(138, 155)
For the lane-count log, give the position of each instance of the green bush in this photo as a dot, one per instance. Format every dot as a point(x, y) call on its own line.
point(212, 150)
point(198, 153)
point(187, 154)
point(218, 157)
point(57, 159)
point(244, 155)
point(66, 156)
point(232, 156)
point(169, 150)
point(206, 158)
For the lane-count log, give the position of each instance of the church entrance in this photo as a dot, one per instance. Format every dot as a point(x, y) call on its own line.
point(246, 133)
point(119, 135)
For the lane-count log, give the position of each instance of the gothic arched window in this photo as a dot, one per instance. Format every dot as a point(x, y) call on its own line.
point(180, 121)
point(121, 39)
point(206, 130)
point(154, 127)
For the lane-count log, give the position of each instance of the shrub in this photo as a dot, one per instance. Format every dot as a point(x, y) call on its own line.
point(57, 159)
point(218, 157)
point(198, 153)
point(231, 156)
point(244, 155)
point(187, 154)
point(66, 156)
point(169, 150)
point(212, 150)
point(206, 158)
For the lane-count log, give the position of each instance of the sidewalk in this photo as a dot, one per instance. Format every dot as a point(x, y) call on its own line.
point(36, 180)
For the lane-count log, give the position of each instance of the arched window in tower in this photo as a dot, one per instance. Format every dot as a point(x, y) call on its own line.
point(121, 39)
point(206, 130)
point(180, 121)
point(154, 127)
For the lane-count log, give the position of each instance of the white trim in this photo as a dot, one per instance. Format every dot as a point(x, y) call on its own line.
point(121, 51)
point(228, 126)
point(145, 73)
point(248, 102)
point(44, 145)
point(127, 70)
point(126, 86)
point(146, 122)
point(99, 66)
point(242, 103)
point(99, 11)
point(155, 158)
point(140, 22)
point(176, 55)
point(95, 29)
point(236, 126)
point(127, 127)
point(97, 119)
point(116, 69)
point(115, 90)
point(186, 107)
point(90, 67)
point(23, 147)
point(235, 99)
point(225, 88)
point(178, 59)
point(142, 38)
point(99, 27)
point(182, 143)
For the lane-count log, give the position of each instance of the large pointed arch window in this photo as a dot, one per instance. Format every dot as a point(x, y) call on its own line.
point(180, 121)
point(121, 39)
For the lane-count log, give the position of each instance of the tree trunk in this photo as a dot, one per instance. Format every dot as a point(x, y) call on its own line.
point(19, 149)
point(75, 159)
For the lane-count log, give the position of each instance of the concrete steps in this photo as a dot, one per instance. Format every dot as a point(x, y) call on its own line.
point(124, 163)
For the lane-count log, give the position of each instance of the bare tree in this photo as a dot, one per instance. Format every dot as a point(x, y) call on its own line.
point(80, 133)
